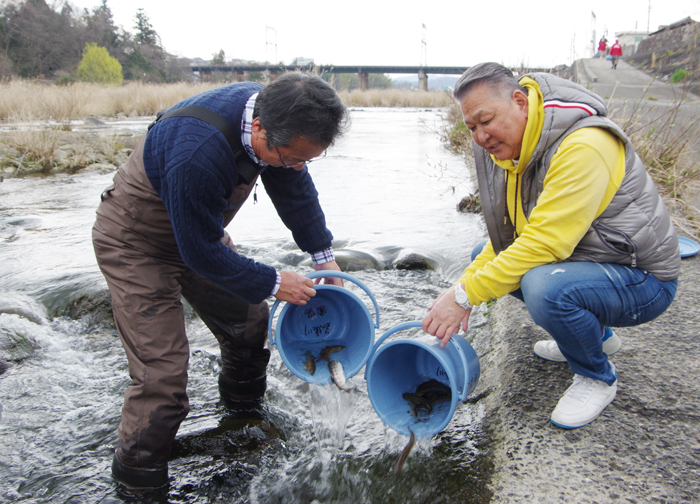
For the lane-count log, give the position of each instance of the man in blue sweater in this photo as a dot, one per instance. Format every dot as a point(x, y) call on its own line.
point(159, 236)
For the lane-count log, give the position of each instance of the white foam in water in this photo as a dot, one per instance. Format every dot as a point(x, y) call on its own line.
point(330, 409)
point(50, 413)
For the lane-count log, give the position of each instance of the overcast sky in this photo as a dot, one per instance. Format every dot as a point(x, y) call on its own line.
point(378, 32)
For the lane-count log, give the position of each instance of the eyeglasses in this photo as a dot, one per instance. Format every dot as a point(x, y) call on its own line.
point(298, 163)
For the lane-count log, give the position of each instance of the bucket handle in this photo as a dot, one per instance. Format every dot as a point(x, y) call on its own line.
point(411, 325)
point(465, 366)
point(321, 274)
point(393, 330)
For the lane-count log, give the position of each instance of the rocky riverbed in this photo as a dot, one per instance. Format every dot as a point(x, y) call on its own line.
point(46, 147)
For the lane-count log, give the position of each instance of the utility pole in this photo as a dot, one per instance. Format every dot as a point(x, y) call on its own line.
point(422, 76)
point(648, 17)
point(268, 44)
point(593, 35)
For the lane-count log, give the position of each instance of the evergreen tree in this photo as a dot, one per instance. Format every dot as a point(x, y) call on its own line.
point(145, 34)
point(100, 28)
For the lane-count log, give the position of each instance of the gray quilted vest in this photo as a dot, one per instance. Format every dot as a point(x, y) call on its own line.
point(635, 229)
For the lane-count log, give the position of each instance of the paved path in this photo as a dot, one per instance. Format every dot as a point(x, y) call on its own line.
point(627, 88)
point(626, 82)
point(645, 447)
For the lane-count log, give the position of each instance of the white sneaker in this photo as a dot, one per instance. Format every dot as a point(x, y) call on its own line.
point(583, 401)
point(549, 350)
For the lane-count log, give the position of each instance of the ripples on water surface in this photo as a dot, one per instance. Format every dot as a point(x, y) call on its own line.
point(385, 188)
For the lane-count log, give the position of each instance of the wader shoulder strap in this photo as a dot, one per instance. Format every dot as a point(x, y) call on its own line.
point(244, 168)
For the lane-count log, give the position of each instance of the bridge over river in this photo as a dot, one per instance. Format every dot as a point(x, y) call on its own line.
point(239, 72)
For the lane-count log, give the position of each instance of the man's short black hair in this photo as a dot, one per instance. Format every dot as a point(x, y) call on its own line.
point(495, 76)
point(300, 105)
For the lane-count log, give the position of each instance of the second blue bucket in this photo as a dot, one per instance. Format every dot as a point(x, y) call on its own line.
point(400, 366)
point(335, 317)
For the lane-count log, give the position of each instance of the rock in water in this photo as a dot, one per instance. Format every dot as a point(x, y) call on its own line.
point(352, 260)
point(411, 260)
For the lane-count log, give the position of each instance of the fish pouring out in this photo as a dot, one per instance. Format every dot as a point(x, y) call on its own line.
point(338, 375)
point(404, 454)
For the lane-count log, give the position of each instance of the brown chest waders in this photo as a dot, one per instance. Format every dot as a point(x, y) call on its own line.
point(137, 253)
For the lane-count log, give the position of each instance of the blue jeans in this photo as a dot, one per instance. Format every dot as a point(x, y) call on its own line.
point(575, 301)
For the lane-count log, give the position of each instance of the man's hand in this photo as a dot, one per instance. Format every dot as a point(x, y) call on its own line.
point(295, 288)
point(445, 317)
point(330, 266)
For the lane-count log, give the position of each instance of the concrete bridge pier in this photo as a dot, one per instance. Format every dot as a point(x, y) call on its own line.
point(422, 81)
point(364, 81)
point(239, 76)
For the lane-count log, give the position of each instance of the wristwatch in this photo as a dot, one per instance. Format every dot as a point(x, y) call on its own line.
point(461, 297)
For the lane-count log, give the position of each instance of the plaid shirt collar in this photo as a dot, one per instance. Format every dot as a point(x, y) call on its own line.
point(246, 130)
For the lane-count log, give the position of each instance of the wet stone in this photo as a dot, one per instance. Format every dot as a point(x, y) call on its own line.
point(414, 262)
point(15, 346)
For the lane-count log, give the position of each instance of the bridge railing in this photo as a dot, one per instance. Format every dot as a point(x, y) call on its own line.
point(272, 71)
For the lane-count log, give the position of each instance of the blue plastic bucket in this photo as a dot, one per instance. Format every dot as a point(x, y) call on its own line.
point(334, 316)
point(401, 365)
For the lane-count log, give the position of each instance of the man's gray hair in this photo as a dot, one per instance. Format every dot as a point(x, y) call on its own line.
point(300, 105)
point(495, 76)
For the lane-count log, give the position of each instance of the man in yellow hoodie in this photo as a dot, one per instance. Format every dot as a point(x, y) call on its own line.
point(577, 229)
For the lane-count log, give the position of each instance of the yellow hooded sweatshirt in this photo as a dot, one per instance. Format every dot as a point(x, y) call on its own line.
point(585, 172)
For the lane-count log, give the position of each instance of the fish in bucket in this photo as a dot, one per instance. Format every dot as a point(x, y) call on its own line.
point(334, 330)
point(415, 385)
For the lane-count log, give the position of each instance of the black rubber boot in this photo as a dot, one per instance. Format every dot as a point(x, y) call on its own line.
point(139, 480)
point(242, 395)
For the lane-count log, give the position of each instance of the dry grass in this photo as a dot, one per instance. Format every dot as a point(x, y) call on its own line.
point(36, 149)
point(455, 135)
point(663, 139)
point(395, 98)
point(22, 100)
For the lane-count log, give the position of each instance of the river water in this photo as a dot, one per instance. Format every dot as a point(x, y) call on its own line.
point(387, 188)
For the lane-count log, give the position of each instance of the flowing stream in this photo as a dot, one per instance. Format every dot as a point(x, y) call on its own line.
point(388, 188)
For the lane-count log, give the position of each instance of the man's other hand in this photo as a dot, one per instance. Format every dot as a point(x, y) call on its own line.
point(445, 316)
point(329, 266)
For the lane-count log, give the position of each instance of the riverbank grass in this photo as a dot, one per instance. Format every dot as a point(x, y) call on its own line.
point(22, 100)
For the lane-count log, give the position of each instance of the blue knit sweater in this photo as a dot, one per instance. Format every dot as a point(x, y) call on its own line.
point(192, 168)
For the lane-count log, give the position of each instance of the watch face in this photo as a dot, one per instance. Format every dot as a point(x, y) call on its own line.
point(461, 297)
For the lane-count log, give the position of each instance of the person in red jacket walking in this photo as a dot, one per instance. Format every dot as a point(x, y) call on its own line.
point(615, 52)
point(602, 46)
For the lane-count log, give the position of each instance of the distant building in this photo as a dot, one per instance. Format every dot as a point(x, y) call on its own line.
point(302, 61)
point(629, 40)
